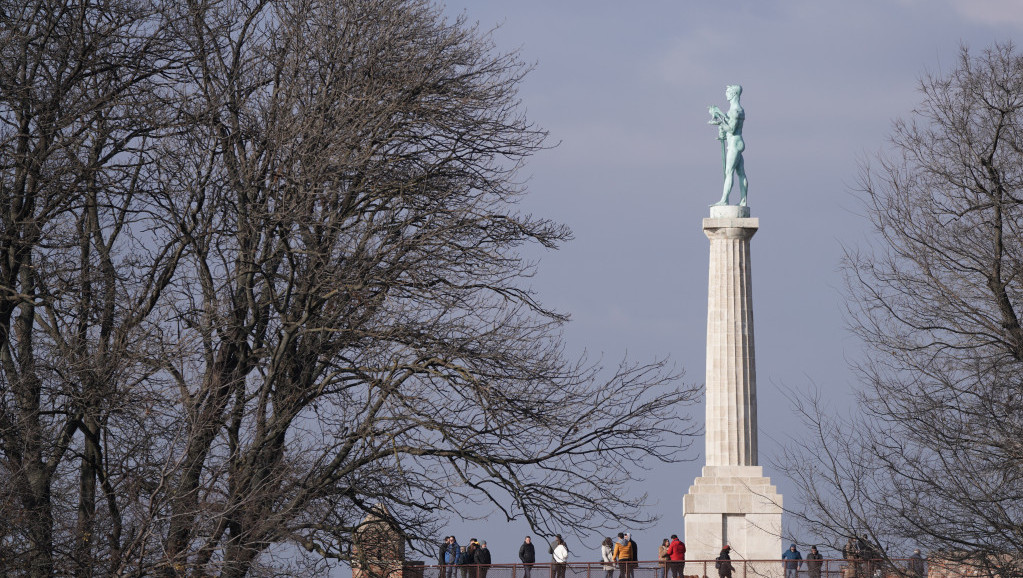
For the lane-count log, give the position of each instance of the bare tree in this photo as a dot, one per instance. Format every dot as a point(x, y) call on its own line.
point(263, 272)
point(935, 457)
point(79, 111)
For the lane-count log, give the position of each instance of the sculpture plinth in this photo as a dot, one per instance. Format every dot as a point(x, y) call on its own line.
point(732, 502)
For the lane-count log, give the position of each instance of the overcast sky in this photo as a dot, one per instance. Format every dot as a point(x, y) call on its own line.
point(624, 86)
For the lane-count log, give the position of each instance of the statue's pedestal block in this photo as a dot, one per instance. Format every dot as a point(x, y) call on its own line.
point(734, 505)
point(729, 212)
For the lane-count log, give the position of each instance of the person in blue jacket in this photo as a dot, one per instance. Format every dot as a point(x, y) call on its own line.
point(451, 555)
point(793, 560)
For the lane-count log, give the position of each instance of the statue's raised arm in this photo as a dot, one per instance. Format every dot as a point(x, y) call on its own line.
point(730, 134)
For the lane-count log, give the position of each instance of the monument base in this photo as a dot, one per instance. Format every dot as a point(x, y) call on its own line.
point(729, 212)
point(734, 505)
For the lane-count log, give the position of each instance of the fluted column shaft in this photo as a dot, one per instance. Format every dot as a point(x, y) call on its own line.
point(731, 435)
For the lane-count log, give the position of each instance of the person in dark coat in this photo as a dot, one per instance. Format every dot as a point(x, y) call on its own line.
point(724, 563)
point(916, 565)
point(443, 548)
point(482, 559)
point(469, 559)
point(868, 555)
point(527, 555)
point(813, 562)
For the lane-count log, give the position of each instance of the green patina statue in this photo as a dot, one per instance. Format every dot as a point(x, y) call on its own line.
point(732, 145)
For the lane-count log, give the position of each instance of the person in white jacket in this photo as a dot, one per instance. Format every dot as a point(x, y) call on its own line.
point(607, 557)
point(560, 558)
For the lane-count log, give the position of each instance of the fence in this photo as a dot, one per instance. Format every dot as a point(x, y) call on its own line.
point(654, 569)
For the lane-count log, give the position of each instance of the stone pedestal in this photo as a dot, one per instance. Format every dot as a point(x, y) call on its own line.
point(734, 505)
point(732, 502)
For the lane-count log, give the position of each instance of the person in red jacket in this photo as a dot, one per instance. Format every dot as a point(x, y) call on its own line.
point(677, 555)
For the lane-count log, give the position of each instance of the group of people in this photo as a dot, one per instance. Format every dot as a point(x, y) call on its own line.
point(451, 557)
point(864, 559)
point(792, 559)
point(623, 554)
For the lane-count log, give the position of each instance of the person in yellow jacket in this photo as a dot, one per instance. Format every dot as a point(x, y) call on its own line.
point(623, 555)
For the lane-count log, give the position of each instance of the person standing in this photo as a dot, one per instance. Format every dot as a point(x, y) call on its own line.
point(677, 554)
point(850, 554)
point(607, 557)
point(551, 545)
point(482, 559)
point(527, 555)
point(441, 551)
point(663, 559)
point(463, 568)
point(917, 568)
point(560, 554)
point(623, 555)
point(469, 559)
point(449, 558)
point(634, 556)
point(724, 563)
point(793, 560)
point(813, 562)
point(635, 551)
point(868, 555)
point(452, 555)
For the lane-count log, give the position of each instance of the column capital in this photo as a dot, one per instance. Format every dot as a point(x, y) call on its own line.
point(730, 228)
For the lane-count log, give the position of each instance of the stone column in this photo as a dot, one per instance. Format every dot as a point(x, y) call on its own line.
point(731, 438)
point(732, 502)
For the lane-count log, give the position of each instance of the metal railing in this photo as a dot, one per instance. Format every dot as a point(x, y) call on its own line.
point(655, 569)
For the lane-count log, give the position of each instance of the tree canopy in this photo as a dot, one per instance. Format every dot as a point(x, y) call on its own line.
point(262, 270)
